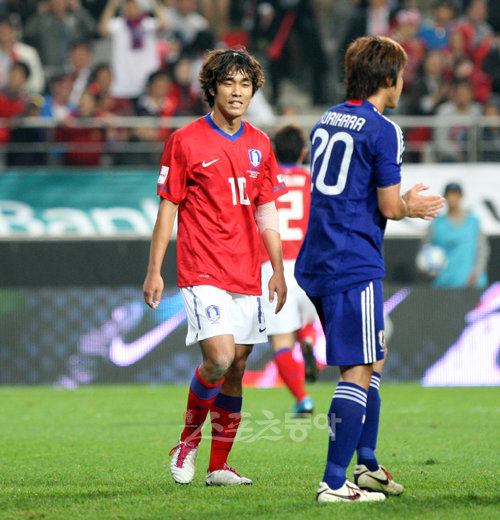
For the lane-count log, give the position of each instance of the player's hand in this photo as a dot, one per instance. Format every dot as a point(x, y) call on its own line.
point(152, 289)
point(277, 285)
point(422, 206)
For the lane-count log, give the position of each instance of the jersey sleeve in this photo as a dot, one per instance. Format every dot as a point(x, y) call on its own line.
point(273, 184)
point(172, 179)
point(389, 155)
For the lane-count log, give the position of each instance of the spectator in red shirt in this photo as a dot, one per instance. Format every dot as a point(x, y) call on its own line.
point(84, 143)
point(477, 32)
point(13, 98)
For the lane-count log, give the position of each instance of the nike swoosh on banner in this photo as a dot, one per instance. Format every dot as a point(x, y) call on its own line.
point(126, 354)
point(205, 164)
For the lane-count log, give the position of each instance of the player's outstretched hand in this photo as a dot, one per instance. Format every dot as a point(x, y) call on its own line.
point(277, 285)
point(152, 289)
point(422, 206)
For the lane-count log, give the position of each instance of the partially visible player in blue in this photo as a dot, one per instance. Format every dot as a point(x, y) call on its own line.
point(356, 176)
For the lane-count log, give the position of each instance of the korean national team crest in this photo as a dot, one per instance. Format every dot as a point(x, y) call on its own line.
point(213, 313)
point(255, 157)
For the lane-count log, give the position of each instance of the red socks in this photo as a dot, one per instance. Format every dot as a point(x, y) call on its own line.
point(201, 396)
point(307, 332)
point(291, 372)
point(225, 415)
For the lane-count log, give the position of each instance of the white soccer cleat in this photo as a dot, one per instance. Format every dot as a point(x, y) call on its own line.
point(182, 465)
point(226, 477)
point(349, 492)
point(380, 480)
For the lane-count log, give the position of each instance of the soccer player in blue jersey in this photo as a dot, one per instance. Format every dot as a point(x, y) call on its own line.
point(356, 176)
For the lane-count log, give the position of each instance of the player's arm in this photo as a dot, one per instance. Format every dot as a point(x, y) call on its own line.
point(481, 261)
point(266, 217)
point(412, 204)
point(153, 284)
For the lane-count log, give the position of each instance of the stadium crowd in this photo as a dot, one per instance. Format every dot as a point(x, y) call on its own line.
point(82, 63)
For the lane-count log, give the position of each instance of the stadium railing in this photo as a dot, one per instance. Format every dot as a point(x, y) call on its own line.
point(476, 139)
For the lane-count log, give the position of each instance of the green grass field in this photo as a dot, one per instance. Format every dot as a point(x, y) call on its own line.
point(102, 453)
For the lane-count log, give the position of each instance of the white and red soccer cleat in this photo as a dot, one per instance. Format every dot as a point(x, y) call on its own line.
point(349, 492)
point(226, 477)
point(182, 465)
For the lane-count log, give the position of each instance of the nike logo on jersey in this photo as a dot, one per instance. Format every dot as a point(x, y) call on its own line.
point(205, 164)
point(126, 354)
point(262, 330)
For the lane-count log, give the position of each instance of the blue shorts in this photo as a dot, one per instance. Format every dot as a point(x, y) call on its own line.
point(353, 322)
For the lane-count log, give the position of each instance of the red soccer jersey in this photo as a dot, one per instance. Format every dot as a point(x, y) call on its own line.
point(293, 210)
point(218, 180)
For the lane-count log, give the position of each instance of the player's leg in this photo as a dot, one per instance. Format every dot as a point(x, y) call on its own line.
point(209, 312)
point(306, 336)
point(282, 327)
point(225, 414)
point(350, 325)
point(218, 355)
point(249, 328)
point(368, 439)
point(290, 371)
point(368, 474)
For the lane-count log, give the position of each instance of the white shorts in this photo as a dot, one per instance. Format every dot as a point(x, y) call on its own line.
point(298, 309)
point(212, 312)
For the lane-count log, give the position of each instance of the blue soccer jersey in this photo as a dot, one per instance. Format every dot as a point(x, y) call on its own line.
point(355, 150)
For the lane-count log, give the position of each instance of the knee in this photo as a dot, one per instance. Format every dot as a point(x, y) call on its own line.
point(218, 367)
point(237, 370)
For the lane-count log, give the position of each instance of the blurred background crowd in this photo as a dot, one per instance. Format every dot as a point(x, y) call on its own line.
point(86, 64)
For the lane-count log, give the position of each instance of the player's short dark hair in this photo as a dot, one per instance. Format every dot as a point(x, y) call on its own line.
point(219, 64)
point(289, 141)
point(372, 62)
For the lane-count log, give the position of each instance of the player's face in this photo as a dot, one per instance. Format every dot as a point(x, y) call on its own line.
point(394, 92)
point(233, 95)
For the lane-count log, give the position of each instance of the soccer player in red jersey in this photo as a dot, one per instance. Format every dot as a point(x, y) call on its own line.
point(220, 176)
point(294, 322)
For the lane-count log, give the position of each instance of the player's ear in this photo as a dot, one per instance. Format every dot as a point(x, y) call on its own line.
point(302, 155)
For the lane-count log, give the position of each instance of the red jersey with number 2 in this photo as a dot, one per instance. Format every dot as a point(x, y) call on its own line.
point(218, 180)
point(293, 210)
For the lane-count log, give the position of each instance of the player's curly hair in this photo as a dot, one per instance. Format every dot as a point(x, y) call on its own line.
point(372, 62)
point(221, 63)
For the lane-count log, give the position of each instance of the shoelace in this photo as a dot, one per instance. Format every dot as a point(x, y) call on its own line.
point(387, 474)
point(226, 467)
point(185, 450)
point(354, 491)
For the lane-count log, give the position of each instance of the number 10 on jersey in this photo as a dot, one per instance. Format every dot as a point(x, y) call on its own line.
point(240, 192)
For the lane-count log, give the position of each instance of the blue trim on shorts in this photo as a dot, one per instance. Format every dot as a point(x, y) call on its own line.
point(259, 309)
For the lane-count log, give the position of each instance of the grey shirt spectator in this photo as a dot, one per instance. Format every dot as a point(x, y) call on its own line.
point(53, 30)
